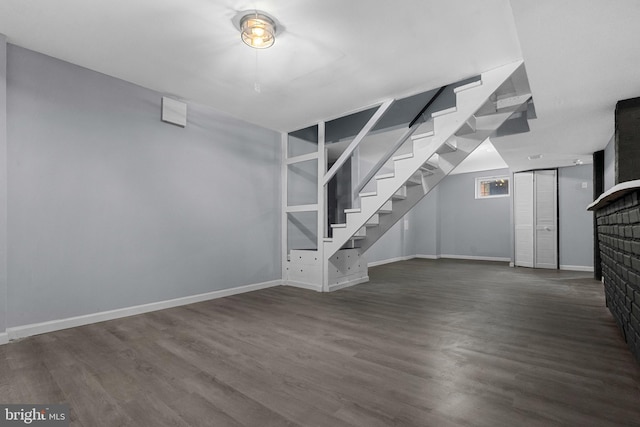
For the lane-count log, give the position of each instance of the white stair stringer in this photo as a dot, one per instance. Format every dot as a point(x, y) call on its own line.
point(444, 145)
point(416, 193)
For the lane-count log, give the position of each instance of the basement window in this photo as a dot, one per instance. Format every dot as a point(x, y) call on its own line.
point(492, 187)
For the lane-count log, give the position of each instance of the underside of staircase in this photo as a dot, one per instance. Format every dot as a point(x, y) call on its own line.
point(439, 144)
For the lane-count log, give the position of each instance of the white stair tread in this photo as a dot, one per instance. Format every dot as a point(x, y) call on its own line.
point(348, 211)
point(512, 101)
point(429, 165)
point(403, 156)
point(374, 221)
point(338, 225)
point(468, 86)
point(327, 239)
point(358, 237)
point(361, 232)
point(415, 179)
point(386, 175)
point(370, 194)
point(443, 112)
point(422, 135)
point(401, 194)
point(446, 147)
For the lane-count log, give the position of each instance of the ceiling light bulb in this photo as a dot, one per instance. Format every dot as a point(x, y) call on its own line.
point(258, 30)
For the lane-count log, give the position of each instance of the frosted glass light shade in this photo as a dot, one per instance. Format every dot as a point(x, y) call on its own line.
point(258, 31)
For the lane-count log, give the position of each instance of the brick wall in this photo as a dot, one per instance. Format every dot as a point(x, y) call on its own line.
point(627, 137)
point(619, 241)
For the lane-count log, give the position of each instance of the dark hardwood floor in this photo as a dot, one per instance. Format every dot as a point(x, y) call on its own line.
point(425, 343)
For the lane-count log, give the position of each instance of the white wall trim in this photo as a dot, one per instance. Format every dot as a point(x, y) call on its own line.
point(4, 338)
point(72, 322)
point(348, 284)
point(390, 260)
point(476, 258)
point(427, 256)
point(585, 268)
point(465, 257)
point(302, 285)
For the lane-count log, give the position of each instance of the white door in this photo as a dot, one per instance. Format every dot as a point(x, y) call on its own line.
point(535, 217)
point(523, 219)
point(546, 219)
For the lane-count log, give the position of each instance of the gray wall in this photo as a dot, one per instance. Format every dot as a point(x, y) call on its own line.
point(3, 183)
point(110, 208)
point(473, 227)
point(610, 164)
point(575, 222)
point(426, 224)
point(390, 246)
point(451, 221)
point(396, 243)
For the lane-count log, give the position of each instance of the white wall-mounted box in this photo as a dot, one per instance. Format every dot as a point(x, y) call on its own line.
point(174, 112)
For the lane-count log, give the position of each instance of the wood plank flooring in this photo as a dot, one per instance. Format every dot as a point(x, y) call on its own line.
point(425, 343)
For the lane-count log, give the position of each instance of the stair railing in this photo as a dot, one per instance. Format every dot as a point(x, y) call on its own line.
point(356, 141)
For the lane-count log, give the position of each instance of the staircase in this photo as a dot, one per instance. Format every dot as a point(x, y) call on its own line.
point(438, 147)
point(483, 108)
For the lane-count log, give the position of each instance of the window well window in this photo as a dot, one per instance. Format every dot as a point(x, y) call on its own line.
point(493, 186)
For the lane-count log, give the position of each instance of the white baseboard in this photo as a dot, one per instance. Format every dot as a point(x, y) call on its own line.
point(427, 256)
point(585, 268)
point(442, 256)
point(72, 322)
point(302, 285)
point(389, 261)
point(4, 338)
point(348, 284)
point(465, 257)
point(476, 258)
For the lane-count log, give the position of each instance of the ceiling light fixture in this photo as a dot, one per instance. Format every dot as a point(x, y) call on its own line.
point(535, 157)
point(258, 30)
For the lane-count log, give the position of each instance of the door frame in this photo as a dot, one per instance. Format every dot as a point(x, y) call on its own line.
point(557, 215)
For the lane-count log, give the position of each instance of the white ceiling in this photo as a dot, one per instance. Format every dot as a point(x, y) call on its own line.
point(335, 56)
point(485, 157)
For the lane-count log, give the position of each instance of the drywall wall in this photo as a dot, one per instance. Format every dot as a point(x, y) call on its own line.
point(109, 207)
point(575, 192)
point(450, 221)
point(397, 243)
point(471, 227)
point(425, 226)
point(3, 184)
point(388, 247)
point(610, 164)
